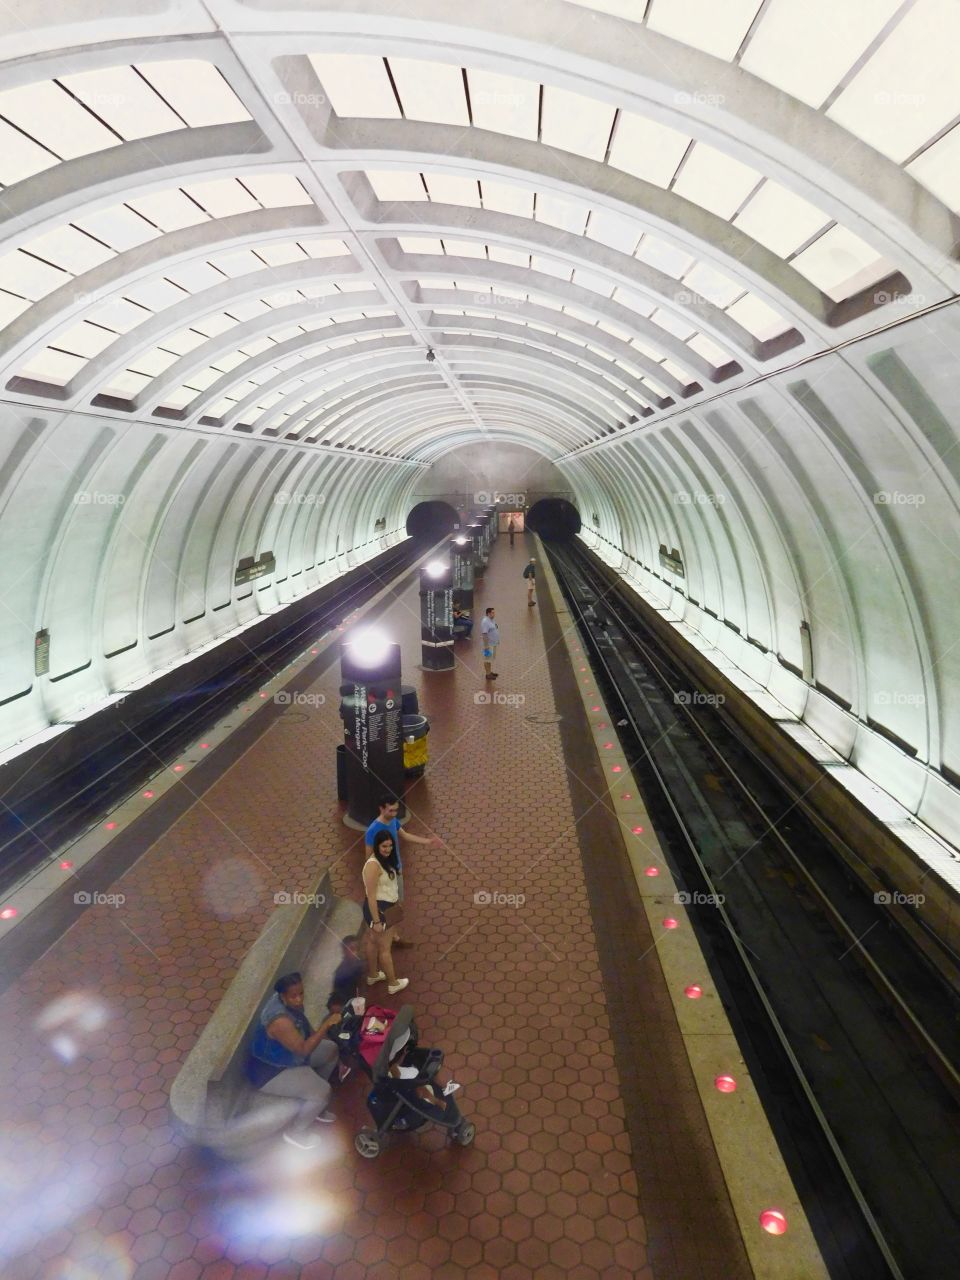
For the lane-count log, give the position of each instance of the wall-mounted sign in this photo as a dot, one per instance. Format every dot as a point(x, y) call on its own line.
point(671, 560)
point(41, 653)
point(248, 568)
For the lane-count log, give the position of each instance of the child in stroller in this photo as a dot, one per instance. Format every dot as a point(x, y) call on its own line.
point(405, 1093)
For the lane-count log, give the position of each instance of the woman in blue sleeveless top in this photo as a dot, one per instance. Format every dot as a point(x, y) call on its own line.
point(291, 1060)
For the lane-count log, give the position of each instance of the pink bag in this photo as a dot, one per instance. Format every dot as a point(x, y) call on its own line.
point(371, 1042)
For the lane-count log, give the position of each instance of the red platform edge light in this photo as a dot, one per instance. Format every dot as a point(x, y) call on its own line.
point(110, 826)
point(594, 708)
point(178, 768)
point(693, 992)
point(773, 1221)
point(670, 923)
point(204, 745)
point(608, 746)
point(8, 913)
point(617, 769)
point(626, 796)
point(726, 1084)
point(148, 795)
point(651, 871)
point(263, 695)
point(638, 831)
point(66, 865)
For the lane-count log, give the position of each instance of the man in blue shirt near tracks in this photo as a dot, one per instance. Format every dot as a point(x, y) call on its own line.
point(388, 808)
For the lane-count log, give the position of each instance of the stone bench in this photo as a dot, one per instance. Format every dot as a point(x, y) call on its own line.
point(213, 1103)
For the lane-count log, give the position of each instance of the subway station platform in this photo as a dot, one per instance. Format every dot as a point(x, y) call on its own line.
point(592, 1155)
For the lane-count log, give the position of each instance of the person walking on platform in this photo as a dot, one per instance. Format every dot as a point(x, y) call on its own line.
point(530, 573)
point(388, 807)
point(288, 1059)
point(511, 528)
point(490, 635)
point(380, 895)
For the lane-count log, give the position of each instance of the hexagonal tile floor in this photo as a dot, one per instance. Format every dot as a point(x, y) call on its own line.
point(99, 1185)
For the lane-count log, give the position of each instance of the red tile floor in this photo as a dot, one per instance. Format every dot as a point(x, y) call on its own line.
point(99, 1187)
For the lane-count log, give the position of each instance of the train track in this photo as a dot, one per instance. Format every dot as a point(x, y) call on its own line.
point(850, 1034)
point(61, 803)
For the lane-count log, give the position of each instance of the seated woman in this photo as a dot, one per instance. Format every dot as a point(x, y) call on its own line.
point(424, 1092)
point(291, 1060)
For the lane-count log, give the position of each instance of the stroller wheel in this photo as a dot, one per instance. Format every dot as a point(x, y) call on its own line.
point(465, 1133)
point(368, 1143)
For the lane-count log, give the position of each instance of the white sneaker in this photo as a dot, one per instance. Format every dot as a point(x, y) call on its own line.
point(372, 982)
point(394, 987)
point(450, 1087)
point(306, 1142)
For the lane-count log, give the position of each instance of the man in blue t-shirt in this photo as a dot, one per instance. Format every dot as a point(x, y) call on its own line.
point(388, 808)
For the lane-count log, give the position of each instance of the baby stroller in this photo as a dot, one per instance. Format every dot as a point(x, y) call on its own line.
point(393, 1103)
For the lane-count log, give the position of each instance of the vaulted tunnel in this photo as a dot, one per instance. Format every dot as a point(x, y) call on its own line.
point(269, 269)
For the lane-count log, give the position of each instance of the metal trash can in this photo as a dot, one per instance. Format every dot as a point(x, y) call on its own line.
point(415, 752)
point(342, 772)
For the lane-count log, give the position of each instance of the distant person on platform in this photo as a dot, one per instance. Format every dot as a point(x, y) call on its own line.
point(386, 820)
point(530, 573)
point(288, 1059)
point(490, 635)
point(511, 528)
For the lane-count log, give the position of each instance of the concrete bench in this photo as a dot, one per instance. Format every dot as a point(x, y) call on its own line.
point(213, 1103)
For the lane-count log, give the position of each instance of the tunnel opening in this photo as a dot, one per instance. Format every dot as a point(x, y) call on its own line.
point(554, 519)
point(430, 521)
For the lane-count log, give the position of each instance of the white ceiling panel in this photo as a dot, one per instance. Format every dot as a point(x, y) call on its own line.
point(841, 264)
point(909, 89)
point(396, 184)
point(465, 248)
point(680, 328)
point(715, 181)
point(716, 28)
point(513, 257)
point(614, 230)
point(156, 295)
point(118, 313)
point(277, 255)
point(646, 149)
point(69, 249)
point(757, 317)
point(420, 244)
point(276, 190)
point(710, 351)
point(448, 188)
point(55, 367)
point(194, 276)
point(504, 198)
point(85, 339)
point(550, 267)
point(11, 307)
point(504, 104)
point(22, 274)
point(634, 301)
point(239, 263)
point(567, 215)
point(183, 342)
point(48, 114)
point(665, 257)
point(780, 220)
point(430, 91)
point(713, 285)
point(127, 385)
point(20, 157)
point(222, 198)
point(788, 48)
point(118, 227)
point(575, 123)
point(356, 85)
point(124, 100)
point(325, 247)
point(196, 91)
point(938, 168)
point(169, 210)
point(592, 281)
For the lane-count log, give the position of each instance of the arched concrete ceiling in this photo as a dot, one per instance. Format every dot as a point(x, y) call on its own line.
point(675, 247)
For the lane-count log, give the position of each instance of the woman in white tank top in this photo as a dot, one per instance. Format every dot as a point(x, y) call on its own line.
point(381, 890)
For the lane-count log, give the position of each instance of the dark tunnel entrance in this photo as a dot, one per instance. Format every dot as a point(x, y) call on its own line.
point(429, 521)
point(554, 519)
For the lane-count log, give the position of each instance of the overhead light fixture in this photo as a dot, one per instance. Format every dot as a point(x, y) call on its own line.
point(369, 647)
point(436, 568)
